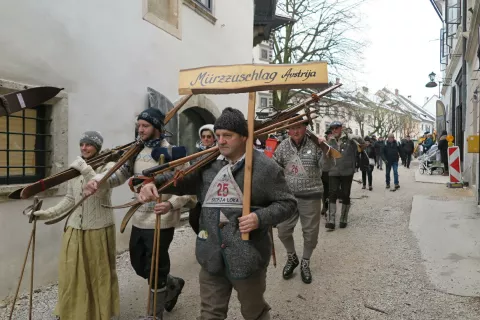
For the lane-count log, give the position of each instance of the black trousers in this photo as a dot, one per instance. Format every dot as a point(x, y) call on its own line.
point(326, 185)
point(141, 251)
point(340, 187)
point(409, 159)
point(365, 174)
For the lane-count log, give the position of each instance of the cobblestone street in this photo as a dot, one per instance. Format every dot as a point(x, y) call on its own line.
point(371, 270)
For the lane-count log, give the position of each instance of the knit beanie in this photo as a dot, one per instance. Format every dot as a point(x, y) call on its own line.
point(232, 120)
point(94, 138)
point(153, 116)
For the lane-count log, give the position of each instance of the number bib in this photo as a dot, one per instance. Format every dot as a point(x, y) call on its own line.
point(224, 191)
point(295, 167)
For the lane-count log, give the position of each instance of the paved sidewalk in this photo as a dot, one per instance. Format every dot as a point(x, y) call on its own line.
point(448, 231)
point(431, 178)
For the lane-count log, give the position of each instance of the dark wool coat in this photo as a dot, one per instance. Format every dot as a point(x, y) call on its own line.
point(224, 252)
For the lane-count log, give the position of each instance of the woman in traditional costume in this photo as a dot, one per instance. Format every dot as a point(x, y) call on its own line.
point(88, 284)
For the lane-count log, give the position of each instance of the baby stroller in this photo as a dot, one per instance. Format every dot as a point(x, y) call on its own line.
point(429, 162)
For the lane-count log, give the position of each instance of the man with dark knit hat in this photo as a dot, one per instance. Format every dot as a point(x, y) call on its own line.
point(301, 160)
point(226, 260)
point(149, 128)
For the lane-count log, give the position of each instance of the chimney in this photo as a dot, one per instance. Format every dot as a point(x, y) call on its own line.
point(426, 99)
point(409, 97)
point(365, 89)
point(337, 81)
point(396, 92)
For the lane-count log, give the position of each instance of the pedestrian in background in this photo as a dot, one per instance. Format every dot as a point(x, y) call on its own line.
point(391, 153)
point(379, 145)
point(408, 148)
point(367, 163)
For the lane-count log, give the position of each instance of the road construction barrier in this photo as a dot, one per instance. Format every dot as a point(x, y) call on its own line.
point(454, 167)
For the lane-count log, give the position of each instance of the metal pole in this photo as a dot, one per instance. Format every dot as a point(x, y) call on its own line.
point(464, 76)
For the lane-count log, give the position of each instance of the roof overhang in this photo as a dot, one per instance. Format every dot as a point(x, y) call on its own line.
point(266, 21)
point(437, 9)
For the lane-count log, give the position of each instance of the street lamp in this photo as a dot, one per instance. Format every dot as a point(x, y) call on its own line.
point(432, 83)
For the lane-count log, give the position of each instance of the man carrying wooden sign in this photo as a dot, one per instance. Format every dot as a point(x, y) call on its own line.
point(242, 192)
point(227, 261)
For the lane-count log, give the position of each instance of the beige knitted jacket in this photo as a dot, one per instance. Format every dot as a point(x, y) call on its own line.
point(90, 215)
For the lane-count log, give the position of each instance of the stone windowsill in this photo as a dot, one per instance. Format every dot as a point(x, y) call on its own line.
point(198, 8)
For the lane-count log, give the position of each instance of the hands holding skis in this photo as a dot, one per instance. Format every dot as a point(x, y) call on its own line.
point(90, 188)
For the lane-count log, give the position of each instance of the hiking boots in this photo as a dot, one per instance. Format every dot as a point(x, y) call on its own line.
point(344, 216)
point(397, 186)
point(305, 271)
point(292, 263)
point(387, 187)
point(332, 211)
point(174, 288)
point(370, 188)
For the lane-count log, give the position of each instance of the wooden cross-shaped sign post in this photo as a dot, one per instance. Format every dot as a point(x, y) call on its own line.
point(251, 78)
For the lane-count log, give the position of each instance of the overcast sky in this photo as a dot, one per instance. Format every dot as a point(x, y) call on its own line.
point(404, 47)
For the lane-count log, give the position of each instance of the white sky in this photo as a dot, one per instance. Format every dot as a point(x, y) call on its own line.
point(404, 47)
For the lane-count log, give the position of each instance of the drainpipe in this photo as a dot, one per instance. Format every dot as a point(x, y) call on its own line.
point(464, 72)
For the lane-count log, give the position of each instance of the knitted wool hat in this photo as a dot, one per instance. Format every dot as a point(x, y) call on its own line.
point(232, 120)
point(94, 138)
point(153, 116)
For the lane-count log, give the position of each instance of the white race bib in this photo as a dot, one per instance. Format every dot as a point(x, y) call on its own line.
point(224, 191)
point(295, 167)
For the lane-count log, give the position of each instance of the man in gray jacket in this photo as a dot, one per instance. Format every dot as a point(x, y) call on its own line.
point(226, 260)
point(341, 172)
point(302, 161)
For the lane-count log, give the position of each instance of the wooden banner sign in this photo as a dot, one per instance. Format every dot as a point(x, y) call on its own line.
point(252, 77)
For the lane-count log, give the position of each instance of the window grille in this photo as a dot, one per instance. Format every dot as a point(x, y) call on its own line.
point(23, 146)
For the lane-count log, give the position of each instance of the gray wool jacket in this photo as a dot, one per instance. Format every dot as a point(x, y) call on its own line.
point(310, 184)
point(344, 166)
point(223, 251)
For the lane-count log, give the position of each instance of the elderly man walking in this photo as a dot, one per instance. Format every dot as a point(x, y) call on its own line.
point(341, 172)
point(302, 161)
point(226, 260)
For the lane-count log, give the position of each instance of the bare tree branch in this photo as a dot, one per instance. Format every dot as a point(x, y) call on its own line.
point(319, 33)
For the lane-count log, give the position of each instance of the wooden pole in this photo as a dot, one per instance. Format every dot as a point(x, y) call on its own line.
point(247, 180)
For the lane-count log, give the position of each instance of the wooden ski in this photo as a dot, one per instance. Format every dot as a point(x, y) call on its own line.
point(61, 177)
point(26, 99)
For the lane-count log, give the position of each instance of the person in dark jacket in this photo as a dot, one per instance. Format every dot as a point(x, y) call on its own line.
point(391, 153)
point(228, 262)
point(408, 147)
point(367, 161)
point(325, 179)
point(341, 172)
point(443, 147)
point(379, 145)
point(402, 157)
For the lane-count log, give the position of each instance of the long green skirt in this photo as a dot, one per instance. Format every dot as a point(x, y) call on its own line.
point(88, 282)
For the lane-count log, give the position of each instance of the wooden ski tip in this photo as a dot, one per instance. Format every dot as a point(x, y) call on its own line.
point(16, 194)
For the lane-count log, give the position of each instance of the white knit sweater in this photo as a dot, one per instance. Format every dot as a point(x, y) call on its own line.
point(144, 218)
point(90, 215)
